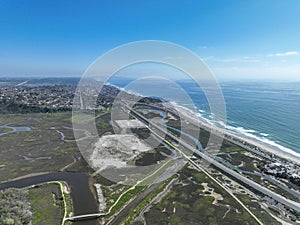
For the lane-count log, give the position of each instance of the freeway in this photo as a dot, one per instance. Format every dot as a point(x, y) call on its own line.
point(226, 163)
point(292, 204)
point(196, 122)
point(124, 211)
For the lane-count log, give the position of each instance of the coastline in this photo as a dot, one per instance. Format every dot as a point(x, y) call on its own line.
point(288, 154)
point(25, 176)
point(191, 117)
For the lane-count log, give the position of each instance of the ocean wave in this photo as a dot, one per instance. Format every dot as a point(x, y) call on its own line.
point(252, 134)
point(129, 91)
point(240, 131)
point(202, 117)
point(193, 112)
point(264, 134)
point(280, 147)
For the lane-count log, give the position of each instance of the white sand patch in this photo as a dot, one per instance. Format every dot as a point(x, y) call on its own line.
point(171, 117)
point(126, 124)
point(101, 199)
point(217, 196)
point(65, 189)
point(116, 150)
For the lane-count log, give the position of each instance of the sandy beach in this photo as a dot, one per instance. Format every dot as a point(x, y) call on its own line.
point(189, 116)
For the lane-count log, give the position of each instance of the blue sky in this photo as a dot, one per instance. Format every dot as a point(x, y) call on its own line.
point(237, 39)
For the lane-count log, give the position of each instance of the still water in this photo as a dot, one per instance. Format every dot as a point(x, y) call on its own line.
point(84, 201)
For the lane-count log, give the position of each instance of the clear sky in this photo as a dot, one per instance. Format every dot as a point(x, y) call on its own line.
point(236, 38)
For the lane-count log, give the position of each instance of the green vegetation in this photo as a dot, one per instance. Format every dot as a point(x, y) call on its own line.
point(230, 147)
point(14, 207)
point(103, 123)
point(295, 213)
point(68, 200)
point(41, 149)
point(111, 193)
point(191, 203)
point(255, 207)
point(82, 118)
point(9, 106)
point(46, 204)
point(125, 198)
point(65, 197)
point(5, 129)
point(147, 200)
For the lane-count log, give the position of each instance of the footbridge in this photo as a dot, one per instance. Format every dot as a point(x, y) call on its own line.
point(84, 217)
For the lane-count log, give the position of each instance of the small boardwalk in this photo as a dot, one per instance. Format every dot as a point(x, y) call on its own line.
point(84, 217)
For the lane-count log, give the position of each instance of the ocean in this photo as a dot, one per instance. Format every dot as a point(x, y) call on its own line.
point(268, 112)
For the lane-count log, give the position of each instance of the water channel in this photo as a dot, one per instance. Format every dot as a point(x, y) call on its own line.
point(84, 201)
point(13, 129)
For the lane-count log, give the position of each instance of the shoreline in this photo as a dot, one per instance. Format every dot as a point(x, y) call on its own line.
point(192, 117)
point(202, 122)
point(25, 176)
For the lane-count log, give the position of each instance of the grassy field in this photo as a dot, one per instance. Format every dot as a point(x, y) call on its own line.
point(147, 200)
point(187, 203)
point(39, 150)
point(4, 130)
point(46, 204)
point(255, 207)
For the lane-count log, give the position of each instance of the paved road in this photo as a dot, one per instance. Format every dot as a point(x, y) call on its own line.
point(245, 180)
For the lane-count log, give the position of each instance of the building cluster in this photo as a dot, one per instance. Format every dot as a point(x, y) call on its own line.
point(281, 208)
point(61, 97)
point(54, 96)
point(287, 171)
